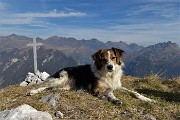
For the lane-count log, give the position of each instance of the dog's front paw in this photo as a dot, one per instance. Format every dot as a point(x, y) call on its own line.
point(145, 99)
point(115, 101)
point(32, 92)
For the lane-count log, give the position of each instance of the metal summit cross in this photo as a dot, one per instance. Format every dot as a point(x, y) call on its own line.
point(34, 44)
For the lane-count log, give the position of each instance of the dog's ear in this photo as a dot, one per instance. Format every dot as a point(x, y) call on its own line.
point(97, 56)
point(118, 53)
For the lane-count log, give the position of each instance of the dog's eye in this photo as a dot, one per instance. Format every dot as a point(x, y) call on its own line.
point(113, 58)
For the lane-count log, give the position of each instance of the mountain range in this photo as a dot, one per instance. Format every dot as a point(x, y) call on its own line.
point(16, 63)
point(162, 59)
point(16, 59)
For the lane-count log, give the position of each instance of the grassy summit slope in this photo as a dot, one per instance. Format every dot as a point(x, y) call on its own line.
point(81, 105)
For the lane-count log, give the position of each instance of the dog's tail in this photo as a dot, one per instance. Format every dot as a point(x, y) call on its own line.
point(137, 95)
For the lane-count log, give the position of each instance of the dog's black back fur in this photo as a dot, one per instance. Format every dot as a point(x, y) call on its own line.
point(82, 75)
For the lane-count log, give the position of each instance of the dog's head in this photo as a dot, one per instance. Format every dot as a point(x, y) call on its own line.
point(108, 59)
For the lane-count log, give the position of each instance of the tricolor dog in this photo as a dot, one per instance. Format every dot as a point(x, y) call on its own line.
point(100, 78)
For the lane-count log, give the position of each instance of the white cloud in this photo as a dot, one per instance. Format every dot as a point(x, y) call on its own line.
point(50, 14)
point(30, 17)
point(15, 21)
point(69, 9)
point(163, 10)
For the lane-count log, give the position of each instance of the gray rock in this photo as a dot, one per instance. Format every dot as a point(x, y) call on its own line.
point(51, 99)
point(24, 112)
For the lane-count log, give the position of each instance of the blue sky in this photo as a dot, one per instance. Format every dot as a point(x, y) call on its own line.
point(144, 22)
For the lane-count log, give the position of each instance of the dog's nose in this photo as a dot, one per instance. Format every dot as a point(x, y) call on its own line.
point(109, 67)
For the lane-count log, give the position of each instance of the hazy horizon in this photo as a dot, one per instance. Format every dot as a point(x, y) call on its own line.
point(89, 39)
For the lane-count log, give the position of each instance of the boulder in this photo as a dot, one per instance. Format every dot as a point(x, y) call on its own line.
point(51, 99)
point(24, 112)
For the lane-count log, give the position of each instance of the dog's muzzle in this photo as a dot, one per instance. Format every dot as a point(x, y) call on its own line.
point(110, 68)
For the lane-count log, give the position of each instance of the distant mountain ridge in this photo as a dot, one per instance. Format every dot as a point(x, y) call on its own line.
point(58, 52)
point(162, 59)
point(17, 41)
point(80, 50)
point(16, 63)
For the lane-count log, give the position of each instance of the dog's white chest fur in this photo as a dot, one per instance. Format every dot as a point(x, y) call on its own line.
point(110, 80)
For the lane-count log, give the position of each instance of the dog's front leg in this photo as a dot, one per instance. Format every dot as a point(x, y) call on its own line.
point(35, 91)
point(137, 95)
point(110, 96)
point(103, 92)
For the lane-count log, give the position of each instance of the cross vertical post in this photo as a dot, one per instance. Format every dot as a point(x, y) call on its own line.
point(34, 45)
point(35, 55)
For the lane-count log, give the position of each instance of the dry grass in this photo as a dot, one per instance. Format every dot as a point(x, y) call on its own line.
point(81, 105)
